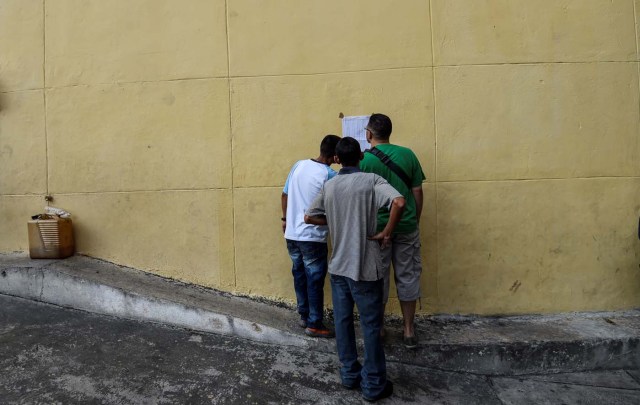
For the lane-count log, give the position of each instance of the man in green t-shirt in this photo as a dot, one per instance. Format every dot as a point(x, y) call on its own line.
point(405, 245)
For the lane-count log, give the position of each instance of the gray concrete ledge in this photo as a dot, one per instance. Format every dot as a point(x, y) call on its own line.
point(96, 286)
point(485, 345)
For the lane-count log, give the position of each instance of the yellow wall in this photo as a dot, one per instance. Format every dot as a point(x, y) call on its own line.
point(167, 128)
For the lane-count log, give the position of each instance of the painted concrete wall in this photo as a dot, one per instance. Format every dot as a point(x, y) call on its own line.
point(167, 128)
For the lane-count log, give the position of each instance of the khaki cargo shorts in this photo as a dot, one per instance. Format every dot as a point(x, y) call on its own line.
point(407, 266)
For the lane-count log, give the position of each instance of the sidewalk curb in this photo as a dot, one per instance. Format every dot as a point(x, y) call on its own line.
point(519, 358)
point(470, 344)
point(50, 286)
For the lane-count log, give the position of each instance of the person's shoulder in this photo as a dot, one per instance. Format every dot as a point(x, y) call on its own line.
point(313, 166)
point(370, 162)
point(400, 148)
point(367, 156)
point(332, 178)
point(361, 174)
point(405, 152)
point(373, 177)
point(297, 164)
point(379, 179)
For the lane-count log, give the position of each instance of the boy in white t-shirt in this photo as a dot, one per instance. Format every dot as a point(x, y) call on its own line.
point(306, 243)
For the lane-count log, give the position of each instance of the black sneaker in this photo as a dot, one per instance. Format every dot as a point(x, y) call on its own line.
point(386, 393)
point(410, 342)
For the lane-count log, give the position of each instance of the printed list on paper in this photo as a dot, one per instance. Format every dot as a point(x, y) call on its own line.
point(354, 127)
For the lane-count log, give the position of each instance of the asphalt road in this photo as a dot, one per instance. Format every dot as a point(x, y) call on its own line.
point(52, 355)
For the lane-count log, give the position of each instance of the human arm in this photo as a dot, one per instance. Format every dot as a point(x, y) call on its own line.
point(418, 197)
point(384, 237)
point(315, 220)
point(283, 200)
point(316, 214)
point(417, 177)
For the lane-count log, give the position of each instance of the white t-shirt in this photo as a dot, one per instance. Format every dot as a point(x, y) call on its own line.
point(303, 184)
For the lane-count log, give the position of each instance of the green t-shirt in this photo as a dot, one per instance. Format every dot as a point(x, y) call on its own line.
point(407, 160)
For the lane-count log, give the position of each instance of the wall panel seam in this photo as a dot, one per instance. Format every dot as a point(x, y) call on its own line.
point(22, 90)
point(119, 83)
point(21, 195)
point(44, 93)
point(635, 25)
point(233, 203)
point(168, 190)
point(433, 66)
point(540, 179)
point(230, 77)
point(435, 151)
point(635, 28)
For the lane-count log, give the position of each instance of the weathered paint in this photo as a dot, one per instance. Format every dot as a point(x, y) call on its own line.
point(168, 129)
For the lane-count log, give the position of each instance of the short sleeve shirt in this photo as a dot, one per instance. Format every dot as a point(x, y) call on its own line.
point(407, 160)
point(303, 183)
point(351, 203)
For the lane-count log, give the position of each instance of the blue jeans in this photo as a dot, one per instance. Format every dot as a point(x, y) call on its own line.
point(309, 270)
point(367, 295)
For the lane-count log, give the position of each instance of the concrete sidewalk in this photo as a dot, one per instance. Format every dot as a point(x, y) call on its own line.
point(53, 355)
point(484, 345)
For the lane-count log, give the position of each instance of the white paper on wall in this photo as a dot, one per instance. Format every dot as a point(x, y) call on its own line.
point(354, 127)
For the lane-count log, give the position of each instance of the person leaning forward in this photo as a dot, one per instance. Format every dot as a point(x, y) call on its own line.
point(307, 244)
point(349, 203)
point(405, 242)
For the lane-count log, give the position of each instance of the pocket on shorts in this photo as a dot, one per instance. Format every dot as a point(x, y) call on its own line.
point(417, 258)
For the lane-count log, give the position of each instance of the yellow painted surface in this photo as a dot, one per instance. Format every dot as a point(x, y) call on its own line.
point(139, 136)
point(516, 31)
point(167, 129)
point(293, 113)
point(636, 7)
point(538, 121)
point(21, 45)
point(538, 246)
point(95, 41)
point(263, 266)
point(23, 156)
point(15, 211)
point(187, 235)
point(301, 37)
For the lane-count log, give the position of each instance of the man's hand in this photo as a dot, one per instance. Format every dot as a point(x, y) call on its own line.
point(320, 220)
point(383, 238)
point(284, 226)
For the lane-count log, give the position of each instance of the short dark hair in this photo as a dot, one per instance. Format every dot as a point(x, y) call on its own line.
point(348, 151)
point(328, 145)
point(380, 126)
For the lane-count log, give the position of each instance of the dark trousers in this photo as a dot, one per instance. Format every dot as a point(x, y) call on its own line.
point(367, 296)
